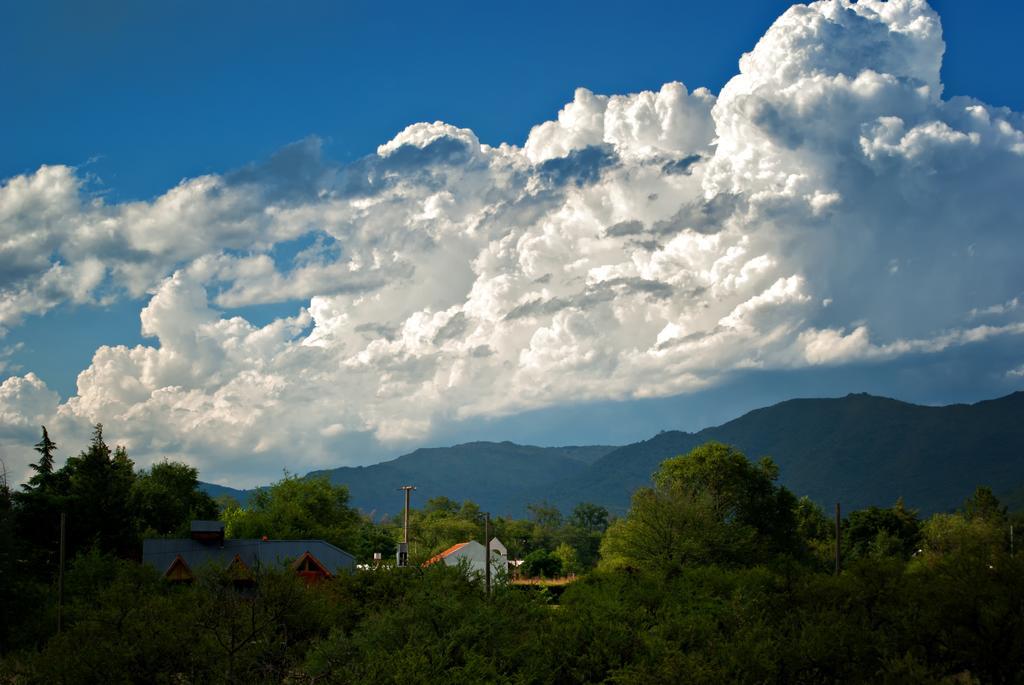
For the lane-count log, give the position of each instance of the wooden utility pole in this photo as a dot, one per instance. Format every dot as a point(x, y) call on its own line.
point(405, 523)
point(403, 549)
point(838, 539)
point(487, 552)
point(60, 574)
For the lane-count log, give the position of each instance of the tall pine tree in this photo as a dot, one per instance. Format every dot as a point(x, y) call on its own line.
point(99, 513)
point(44, 469)
point(38, 506)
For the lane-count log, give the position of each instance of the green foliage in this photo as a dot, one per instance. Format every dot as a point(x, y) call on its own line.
point(225, 502)
point(699, 583)
point(100, 483)
point(546, 520)
point(545, 515)
point(541, 564)
point(443, 522)
point(706, 624)
point(296, 508)
point(432, 626)
point(258, 636)
point(811, 522)
point(667, 529)
point(10, 610)
point(708, 506)
point(92, 489)
point(882, 620)
point(590, 517)
point(959, 536)
point(370, 538)
point(440, 507)
point(984, 505)
point(36, 509)
point(876, 532)
point(816, 532)
point(108, 508)
point(569, 563)
point(519, 535)
point(125, 624)
point(166, 497)
point(738, 492)
point(440, 525)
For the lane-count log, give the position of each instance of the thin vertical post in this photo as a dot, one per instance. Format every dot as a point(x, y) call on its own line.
point(838, 539)
point(405, 520)
point(60, 575)
point(487, 552)
point(403, 548)
point(1011, 539)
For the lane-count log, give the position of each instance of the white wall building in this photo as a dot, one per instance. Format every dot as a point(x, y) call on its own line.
point(472, 553)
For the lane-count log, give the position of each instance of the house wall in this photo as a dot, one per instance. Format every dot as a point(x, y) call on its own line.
point(473, 553)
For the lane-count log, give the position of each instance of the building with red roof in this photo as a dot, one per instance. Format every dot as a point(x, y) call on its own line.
point(472, 553)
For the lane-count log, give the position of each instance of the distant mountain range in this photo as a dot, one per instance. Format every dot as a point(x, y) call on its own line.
point(502, 476)
point(858, 450)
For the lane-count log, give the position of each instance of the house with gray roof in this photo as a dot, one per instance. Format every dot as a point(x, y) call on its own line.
point(178, 559)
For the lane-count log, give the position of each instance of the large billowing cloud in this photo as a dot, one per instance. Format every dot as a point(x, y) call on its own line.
point(827, 206)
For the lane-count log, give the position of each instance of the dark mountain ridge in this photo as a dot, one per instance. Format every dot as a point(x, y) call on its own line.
point(858, 450)
point(503, 475)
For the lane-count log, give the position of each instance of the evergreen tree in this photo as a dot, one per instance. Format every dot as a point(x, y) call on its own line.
point(37, 508)
point(984, 505)
point(44, 469)
point(100, 489)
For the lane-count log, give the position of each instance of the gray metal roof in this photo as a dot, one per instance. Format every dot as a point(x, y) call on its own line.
point(207, 527)
point(255, 553)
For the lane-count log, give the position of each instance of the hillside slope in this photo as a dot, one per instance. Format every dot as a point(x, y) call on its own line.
point(502, 476)
point(858, 450)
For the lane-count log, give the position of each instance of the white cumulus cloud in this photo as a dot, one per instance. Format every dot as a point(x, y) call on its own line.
point(636, 245)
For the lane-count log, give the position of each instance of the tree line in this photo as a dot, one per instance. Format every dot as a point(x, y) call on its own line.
point(715, 574)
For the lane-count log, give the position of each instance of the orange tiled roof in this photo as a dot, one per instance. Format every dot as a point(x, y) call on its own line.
point(451, 550)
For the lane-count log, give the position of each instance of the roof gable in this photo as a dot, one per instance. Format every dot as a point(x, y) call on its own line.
point(239, 570)
point(178, 571)
point(445, 554)
point(307, 564)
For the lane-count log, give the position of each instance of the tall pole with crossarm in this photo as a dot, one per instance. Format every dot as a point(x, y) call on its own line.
point(403, 548)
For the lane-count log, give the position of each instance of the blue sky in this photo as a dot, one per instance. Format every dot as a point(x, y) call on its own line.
point(157, 92)
point(136, 97)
